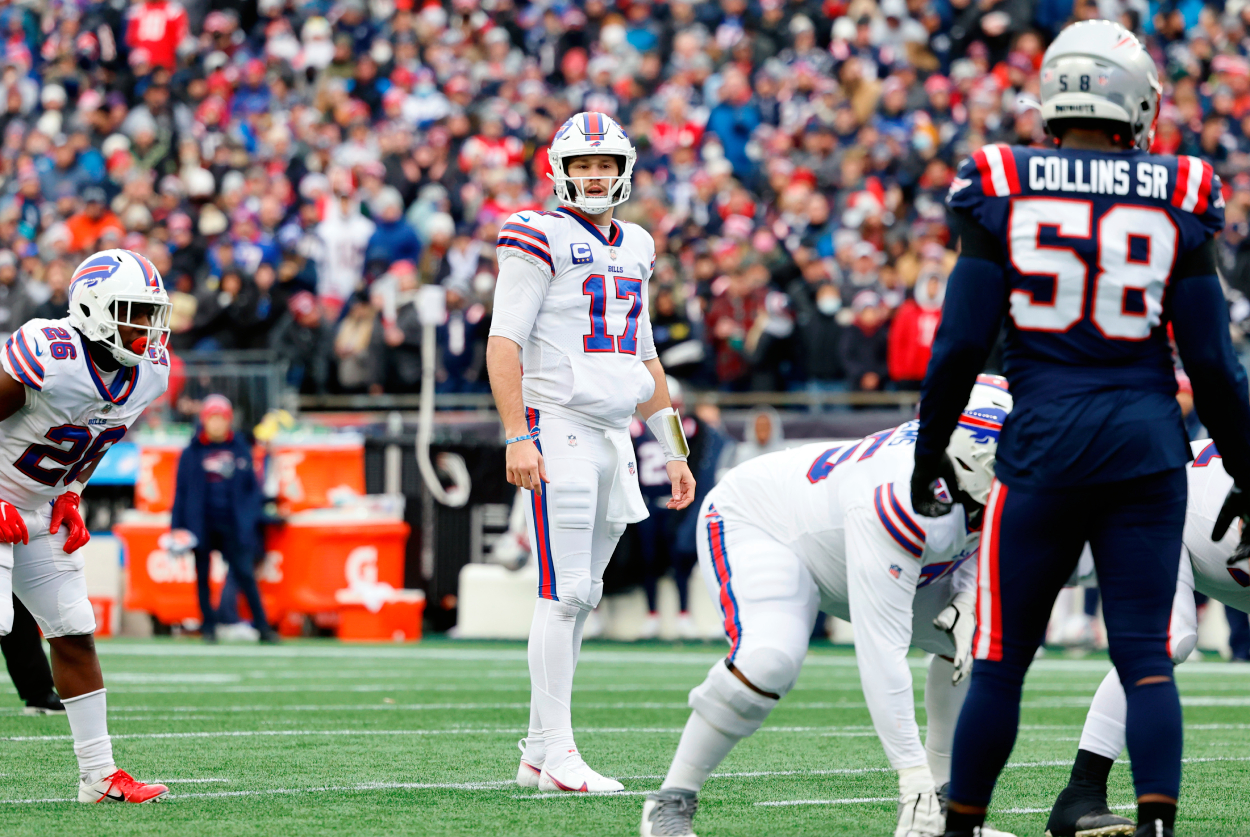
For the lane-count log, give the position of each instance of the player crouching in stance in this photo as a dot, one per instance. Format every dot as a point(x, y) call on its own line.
point(571, 310)
point(830, 527)
point(1212, 564)
point(71, 389)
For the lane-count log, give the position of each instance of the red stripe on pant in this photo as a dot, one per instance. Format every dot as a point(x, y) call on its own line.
point(996, 606)
point(729, 606)
point(542, 529)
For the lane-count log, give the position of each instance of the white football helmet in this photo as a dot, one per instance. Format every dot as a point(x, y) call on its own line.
point(582, 135)
point(102, 294)
point(974, 444)
point(1097, 69)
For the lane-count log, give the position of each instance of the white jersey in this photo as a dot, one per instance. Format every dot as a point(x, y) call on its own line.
point(802, 496)
point(1208, 486)
point(583, 326)
point(73, 413)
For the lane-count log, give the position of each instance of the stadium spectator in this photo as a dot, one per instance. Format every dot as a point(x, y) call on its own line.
point(912, 330)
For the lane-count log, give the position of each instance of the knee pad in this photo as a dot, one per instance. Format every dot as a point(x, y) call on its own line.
point(616, 530)
point(573, 505)
point(1180, 647)
point(768, 669)
point(728, 704)
point(72, 614)
point(582, 591)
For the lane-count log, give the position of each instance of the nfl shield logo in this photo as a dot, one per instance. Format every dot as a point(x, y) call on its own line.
point(896, 570)
point(940, 491)
point(631, 469)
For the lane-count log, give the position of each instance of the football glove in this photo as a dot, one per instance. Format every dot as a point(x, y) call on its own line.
point(933, 486)
point(919, 809)
point(1236, 505)
point(65, 510)
point(958, 619)
point(12, 527)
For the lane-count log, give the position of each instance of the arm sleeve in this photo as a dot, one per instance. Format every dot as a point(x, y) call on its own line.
point(646, 338)
point(972, 315)
point(1200, 323)
point(519, 293)
point(881, 611)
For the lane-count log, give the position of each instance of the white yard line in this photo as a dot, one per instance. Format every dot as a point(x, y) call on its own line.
point(828, 801)
point(564, 795)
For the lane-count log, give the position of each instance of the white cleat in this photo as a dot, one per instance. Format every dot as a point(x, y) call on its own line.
point(686, 628)
point(575, 776)
point(669, 813)
point(650, 627)
point(527, 773)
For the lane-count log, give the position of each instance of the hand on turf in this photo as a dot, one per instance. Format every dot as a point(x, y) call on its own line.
point(958, 620)
point(683, 483)
point(65, 510)
point(932, 487)
point(12, 527)
point(920, 815)
point(1236, 506)
point(525, 466)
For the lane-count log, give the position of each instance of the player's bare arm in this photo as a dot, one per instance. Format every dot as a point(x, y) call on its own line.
point(524, 463)
point(678, 469)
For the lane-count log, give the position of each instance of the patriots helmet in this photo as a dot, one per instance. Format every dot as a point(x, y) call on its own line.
point(109, 290)
point(1096, 70)
point(974, 444)
point(582, 135)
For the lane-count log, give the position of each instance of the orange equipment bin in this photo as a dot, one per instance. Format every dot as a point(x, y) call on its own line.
point(398, 620)
point(306, 562)
point(158, 471)
point(310, 474)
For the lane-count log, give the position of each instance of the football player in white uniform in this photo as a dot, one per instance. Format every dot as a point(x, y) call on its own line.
point(829, 527)
point(1209, 566)
point(70, 389)
point(571, 311)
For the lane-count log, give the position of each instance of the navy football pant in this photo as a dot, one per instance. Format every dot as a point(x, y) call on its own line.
point(1029, 547)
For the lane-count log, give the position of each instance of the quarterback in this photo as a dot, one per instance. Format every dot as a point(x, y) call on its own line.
point(571, 357)
point(829, 527)
point(71, 389)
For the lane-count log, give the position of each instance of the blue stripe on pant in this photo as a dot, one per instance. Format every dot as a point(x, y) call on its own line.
point(1134, 529)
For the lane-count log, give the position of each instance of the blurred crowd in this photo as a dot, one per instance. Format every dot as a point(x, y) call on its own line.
point(297, 169)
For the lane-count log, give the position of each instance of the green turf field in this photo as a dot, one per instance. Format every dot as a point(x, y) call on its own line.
point(323, 738)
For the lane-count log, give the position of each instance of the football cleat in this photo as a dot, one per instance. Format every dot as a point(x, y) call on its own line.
point(686, 628)
point(527, 773)
point(49, 704)
point(1082, 812)
point(650, 627)
point(1154, 829)
point(575, 776)
point(669, 813)
point(120, 786)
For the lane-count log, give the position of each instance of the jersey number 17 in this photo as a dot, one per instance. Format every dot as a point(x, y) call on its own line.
point(630, 290)
point(1136, 248)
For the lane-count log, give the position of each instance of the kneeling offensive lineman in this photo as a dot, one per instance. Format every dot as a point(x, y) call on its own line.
point(571, 308)
point(71, 389)
point(830, 527)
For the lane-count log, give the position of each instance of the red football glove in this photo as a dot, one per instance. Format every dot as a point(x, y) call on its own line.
point(65, 509)
point(12, 527)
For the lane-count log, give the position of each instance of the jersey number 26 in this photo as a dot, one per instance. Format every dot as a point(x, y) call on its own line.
point(1136, 249)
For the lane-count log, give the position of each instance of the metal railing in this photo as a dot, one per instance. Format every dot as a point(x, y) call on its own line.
point(253, 380)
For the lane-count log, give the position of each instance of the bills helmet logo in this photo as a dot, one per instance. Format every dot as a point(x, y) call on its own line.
point(93, 271)
point(985, 423)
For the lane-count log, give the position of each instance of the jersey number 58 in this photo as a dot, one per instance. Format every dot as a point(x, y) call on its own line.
point(1136, 249)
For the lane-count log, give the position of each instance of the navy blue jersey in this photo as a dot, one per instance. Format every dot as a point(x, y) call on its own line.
point(1088, 251)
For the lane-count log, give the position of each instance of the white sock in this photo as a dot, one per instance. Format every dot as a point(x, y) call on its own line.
point(942, 702)
point(701, 750)
point(88, 723)
point(535, 749)
point(1104, 725)
point(552, 659)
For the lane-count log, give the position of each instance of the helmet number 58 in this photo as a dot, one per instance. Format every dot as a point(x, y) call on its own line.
point(1136, 247)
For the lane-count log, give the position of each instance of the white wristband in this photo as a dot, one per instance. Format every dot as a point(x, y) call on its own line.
point(76, 487)
point(665, 425)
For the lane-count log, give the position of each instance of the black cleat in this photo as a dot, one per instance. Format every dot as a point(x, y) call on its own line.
point(1154, 829)
point(49, 704)
point(943, 794)
point(1083, 812)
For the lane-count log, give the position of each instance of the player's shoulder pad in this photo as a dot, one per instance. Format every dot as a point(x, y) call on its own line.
point(991, 172)
point(636, 236)
point(1196, 188)
point(892, 504)
point(28, 354)
point(527, 234)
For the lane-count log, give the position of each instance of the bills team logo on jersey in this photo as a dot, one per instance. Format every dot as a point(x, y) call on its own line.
point(985, 423)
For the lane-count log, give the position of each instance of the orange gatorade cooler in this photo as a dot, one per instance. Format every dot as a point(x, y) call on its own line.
point(324, 552)
point(158, 472)
point(313, 476)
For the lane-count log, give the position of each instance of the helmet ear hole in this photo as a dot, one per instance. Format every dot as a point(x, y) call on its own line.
point(963, 464)
point(86, 312)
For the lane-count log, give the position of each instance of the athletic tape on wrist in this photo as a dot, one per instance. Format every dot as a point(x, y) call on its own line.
point(666, 426)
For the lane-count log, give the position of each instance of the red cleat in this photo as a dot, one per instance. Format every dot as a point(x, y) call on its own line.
point(120, 786)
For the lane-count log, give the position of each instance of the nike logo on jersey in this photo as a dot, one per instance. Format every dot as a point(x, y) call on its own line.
point(524, 218)
point(38, 350)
